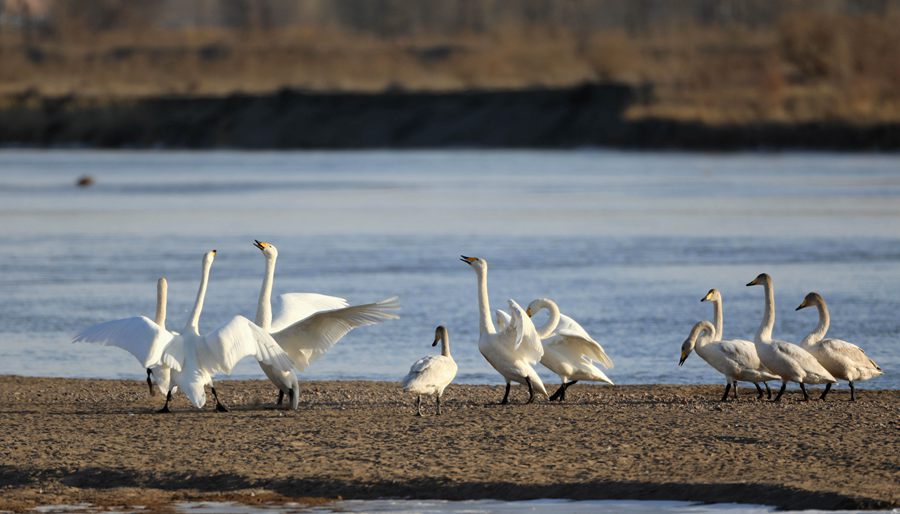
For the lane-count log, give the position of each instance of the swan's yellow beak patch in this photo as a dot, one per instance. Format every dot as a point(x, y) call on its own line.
point(262, 245)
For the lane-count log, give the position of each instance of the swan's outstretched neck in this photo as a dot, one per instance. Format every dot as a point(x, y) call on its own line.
point(547, 328)
point(485, 324)
point(264, 309)
point(162, 288)
point(768, 322)
point(718, 320)
point(193, 325)
point(445, 343)
point(822, 328)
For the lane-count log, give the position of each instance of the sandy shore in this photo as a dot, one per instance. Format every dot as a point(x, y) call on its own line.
point(70, 441)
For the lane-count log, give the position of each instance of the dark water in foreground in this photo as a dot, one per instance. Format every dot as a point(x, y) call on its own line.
point(627, 243)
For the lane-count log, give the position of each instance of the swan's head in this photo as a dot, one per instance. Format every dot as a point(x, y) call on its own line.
point(208, 257)
point(476, 263)
point(712, 296)
point(536, 305)
point(701, 329)
point(761, 280)
point(439, 334)
point(268, 249)
point(810, 300)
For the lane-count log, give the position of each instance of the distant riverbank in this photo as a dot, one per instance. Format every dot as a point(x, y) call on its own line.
point(101, 442)
point(587, 115)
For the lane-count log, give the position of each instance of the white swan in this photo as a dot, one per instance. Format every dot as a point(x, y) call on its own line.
point(514, 351)
point(432, 374)
point(735, 359)
point(789, 361)
point(138, 335)
point(194, 358)
point(845, 361)
point(160, 375)
point(569, 351)
point(715, 297)
point(307, 325)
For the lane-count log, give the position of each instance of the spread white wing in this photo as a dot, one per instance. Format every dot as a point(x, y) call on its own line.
point(292, 307)
point(503, 319)
point(527, 341)
point(140, 336)
point(239, 338)
point(571, 331)
point(309, 338)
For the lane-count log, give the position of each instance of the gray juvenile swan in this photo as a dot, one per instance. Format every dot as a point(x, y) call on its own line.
point(432, 374)
point(845, 361)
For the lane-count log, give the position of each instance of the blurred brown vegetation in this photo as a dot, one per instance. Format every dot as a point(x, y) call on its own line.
point(717, 62)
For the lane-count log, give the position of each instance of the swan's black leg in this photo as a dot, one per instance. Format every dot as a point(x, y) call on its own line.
point(280, 398)
point(531, 390)
point(437, 400)
point(419, 405)
point(505, 399)
point(566, 389)
point(559, 392)
point(219, 406)
point(759, 391)
point(166, 406)
point(150, 382)
point(825, 392)
point(805, 395)
point(781, 391)
point(734, 389)
point(727, 388)
point(768, 391)
point(852, 392)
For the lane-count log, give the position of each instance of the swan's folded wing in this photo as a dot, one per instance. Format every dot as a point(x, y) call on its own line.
point(503, 319)
point(223, 348)
point(586, 345)
point(849, 352)
point(309, 338)
point(139, 336)
point(292, 307)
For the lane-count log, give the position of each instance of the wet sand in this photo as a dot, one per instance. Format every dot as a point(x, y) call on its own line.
point(101, 442)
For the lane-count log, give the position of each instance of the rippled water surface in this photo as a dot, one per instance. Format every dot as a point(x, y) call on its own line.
point(627, 243)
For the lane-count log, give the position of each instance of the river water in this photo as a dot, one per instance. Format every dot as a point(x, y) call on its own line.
point(626, 243)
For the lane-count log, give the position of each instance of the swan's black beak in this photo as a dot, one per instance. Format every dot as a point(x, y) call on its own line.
point(259, 244)
point(683, 358)
point(436, 339)
point(150, 382)
point(752, 283)
point(468, 260)
point(802, 306)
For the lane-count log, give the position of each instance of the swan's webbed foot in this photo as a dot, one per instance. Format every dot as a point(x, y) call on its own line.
point(825, 392)
point(805, 394)
point(781, 391)
point(219, 406)
point(566, 388)
point(505, 399)
point(559, 393)
point(165, 407)
point(759, 391)
point(531, 391)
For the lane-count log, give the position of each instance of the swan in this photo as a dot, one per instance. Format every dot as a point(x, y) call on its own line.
point(845, 361)
point(307, 325)
point(432, 374)
point(715, 297)
point(513, 351)
point(736, 359)
point(140, 336)
point(160, 373)
point(194, 357)
point(569, 351)
point(787, 360)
